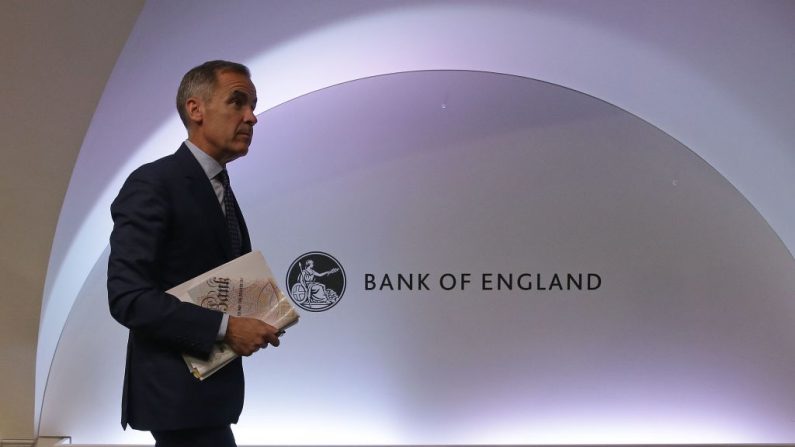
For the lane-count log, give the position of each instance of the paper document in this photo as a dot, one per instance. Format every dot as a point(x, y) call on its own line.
point(244, 287)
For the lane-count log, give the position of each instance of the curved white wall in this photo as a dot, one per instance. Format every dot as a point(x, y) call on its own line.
point(686, 340)
point(713, 75)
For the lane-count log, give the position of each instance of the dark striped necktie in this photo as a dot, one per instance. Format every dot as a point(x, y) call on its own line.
point(232, 224)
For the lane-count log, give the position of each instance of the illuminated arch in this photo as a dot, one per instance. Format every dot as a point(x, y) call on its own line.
point(551, 43)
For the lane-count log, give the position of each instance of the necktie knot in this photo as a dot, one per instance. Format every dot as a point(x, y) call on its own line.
point(223, 176)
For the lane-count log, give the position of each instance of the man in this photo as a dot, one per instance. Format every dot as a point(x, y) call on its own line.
point(174, 219)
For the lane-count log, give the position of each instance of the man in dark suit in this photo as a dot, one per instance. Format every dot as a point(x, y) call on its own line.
point(174, 219)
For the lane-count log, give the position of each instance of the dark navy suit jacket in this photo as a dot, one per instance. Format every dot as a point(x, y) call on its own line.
point(168, 228)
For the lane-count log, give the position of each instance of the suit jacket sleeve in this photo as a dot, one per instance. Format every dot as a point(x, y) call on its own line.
point(136, 286)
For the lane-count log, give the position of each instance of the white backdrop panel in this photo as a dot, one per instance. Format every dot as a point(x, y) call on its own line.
point(686, 340)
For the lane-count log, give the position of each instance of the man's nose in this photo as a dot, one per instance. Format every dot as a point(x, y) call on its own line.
point(250, 117)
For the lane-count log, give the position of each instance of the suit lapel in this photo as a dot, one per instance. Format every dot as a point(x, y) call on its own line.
point(246, 242)
point(204, 196)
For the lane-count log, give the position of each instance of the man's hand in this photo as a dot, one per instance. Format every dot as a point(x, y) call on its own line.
point(248, 335)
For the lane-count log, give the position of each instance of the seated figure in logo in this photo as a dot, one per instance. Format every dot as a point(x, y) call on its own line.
point(315, 292)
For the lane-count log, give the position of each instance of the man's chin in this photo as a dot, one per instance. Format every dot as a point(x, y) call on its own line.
point(236, 153)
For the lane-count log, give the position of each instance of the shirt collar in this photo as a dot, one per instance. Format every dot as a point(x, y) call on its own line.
point(209, 165)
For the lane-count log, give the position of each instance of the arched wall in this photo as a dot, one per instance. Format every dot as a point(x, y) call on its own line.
point(715, 76)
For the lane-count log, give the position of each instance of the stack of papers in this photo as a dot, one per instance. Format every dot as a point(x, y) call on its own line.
point(244, 287)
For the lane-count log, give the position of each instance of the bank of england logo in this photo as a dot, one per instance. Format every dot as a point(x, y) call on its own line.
point(315, 281)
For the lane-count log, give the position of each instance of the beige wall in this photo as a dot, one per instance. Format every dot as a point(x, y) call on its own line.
point(56, 59)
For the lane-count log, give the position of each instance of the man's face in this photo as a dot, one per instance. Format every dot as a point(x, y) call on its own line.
point(226, 124)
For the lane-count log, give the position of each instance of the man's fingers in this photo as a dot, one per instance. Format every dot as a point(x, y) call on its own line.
point(269, 339)
point(248, 335)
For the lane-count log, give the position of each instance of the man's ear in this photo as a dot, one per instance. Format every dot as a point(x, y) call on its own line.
point(195, 110)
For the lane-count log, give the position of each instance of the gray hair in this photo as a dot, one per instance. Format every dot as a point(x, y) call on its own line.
point(200, 81)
